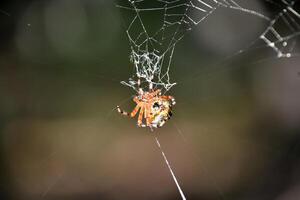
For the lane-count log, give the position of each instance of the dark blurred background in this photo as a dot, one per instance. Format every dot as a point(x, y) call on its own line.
point(235, 133)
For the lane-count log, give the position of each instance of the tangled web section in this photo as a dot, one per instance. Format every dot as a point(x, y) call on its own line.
point(156, 26)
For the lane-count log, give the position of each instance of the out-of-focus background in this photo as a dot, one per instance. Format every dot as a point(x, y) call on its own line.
point(235, 133)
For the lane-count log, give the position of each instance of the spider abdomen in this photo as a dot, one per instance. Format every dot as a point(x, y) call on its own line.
point(161, 112)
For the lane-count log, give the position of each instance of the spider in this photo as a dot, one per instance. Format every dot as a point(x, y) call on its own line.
point(153, 106)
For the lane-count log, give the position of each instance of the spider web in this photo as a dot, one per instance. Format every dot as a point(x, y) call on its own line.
point(152, 42)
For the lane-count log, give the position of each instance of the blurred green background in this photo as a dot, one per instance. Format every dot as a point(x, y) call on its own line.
point(234, 133)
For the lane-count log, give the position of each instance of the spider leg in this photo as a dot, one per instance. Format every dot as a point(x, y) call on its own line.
point(132, 114)
point(147, 115)
point(140, 90)
point(161, 124)
point(139, 83)
point(140, 118)
point(135, 110)
point(150, 86)
point(122, 112)
point(156, 92)
point(169, 98)
point(172, 100)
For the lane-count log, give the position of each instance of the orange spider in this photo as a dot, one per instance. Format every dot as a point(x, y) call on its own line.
point(153, 106)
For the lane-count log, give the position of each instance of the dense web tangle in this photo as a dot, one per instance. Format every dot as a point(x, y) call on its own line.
point(152, 40)
point(281, 34)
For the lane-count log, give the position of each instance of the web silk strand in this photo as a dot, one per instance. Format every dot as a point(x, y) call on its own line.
point(170, 169)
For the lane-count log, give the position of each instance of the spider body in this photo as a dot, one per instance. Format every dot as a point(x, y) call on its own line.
point(153, 107)
point(161, 112)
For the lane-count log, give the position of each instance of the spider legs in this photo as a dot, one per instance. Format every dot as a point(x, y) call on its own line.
point(122, 112)
point(132, 114)
point(140, 90)
point(147, 115)
point(169, 98)
point(153, 108)
point(173, 102)
point(139, 84)
point(150, 86)
point(140, 118)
